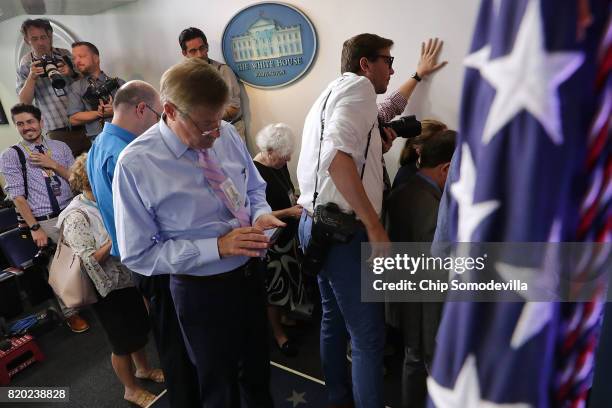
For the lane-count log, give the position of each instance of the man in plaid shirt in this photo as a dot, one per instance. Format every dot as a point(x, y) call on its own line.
point(44, 191)
point(34, 85)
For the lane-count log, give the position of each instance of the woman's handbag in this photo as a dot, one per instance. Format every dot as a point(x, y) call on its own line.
point(69, 282)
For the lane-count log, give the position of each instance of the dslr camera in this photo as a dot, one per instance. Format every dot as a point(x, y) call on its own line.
point(329, 226)
point(103, 91)
point(406, 126)
point(49, 64)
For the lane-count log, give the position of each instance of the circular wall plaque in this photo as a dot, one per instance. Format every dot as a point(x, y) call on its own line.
point(269, 45)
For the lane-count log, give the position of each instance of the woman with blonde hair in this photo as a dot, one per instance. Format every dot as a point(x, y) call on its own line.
point(120, 308)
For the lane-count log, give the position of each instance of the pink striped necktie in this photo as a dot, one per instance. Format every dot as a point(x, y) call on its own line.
point(215, 177)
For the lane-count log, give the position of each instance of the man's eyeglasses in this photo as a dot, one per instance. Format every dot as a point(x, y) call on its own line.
point(388, 59)
point(153, 110)
point(204, 133)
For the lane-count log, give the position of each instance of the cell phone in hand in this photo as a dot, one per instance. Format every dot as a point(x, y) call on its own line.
point(273, 233)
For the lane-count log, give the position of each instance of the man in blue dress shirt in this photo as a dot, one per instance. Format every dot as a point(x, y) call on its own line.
point(190, 203)
point(137, 106)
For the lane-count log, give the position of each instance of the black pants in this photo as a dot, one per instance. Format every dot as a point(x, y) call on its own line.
point(419, 323)
point(180, 373)
point(223, 318)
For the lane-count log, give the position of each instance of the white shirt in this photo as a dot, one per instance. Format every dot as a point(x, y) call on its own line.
point(351, 112)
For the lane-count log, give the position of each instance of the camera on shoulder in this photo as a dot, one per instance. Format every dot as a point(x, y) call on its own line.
point(330, 225)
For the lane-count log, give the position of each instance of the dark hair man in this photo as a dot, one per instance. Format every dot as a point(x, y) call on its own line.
point(190, 203)
point(44, 191)
point(82, 108)
point(412, 211)
point(136, 108)
point(349, 172)
point(194, 45)
point(35, 86)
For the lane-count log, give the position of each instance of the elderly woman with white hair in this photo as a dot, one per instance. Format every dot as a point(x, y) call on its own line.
point(285, 286)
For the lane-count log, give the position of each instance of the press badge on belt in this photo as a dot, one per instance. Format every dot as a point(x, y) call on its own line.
point(231, 193)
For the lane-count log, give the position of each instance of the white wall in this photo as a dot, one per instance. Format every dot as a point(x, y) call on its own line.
point(140, 40)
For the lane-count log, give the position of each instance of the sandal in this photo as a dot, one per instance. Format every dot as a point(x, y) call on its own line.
point(155, 375)
point(143, 399)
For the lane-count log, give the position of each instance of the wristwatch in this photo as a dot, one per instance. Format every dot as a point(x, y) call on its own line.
point(417, 77)
point(35, 227)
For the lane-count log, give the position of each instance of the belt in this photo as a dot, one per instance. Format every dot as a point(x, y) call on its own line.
point(245, 270)
point(47, 217)
point(67, 128)
point(39, 218)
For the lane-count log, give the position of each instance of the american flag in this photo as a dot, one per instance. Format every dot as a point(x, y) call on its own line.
point(533, 166)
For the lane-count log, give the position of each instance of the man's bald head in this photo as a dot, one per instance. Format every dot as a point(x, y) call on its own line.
point(137, 107)
point(134, 92)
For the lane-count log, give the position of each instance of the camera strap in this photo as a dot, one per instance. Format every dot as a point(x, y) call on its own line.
point(365, 159)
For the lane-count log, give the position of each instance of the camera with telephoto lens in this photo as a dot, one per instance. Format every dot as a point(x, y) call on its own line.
point(49, 64)
point(329, 226)
point(45, 254)
point(406, 126)
point(103, 91)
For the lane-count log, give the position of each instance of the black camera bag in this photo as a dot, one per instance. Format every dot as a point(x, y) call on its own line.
point(333, 225)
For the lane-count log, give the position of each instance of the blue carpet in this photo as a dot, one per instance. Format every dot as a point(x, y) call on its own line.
point(290, 389)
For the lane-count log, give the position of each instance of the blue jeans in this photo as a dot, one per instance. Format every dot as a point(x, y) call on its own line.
point(345, 315)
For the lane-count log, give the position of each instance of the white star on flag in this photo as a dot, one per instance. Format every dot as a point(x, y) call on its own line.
point(470, 214)
point(527, 78)
point(466, 392)
point(534, 317)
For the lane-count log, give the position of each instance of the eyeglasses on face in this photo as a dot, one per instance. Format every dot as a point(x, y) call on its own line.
point(388, 59)
point(201, 49)
point(204, 133)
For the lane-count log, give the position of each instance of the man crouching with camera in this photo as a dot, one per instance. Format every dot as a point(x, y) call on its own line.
point(91, 101)
point(341, 177)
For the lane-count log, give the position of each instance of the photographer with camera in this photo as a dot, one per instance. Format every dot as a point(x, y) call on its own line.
point(90, 102)
point(43, 77)
point(36, 172)
point(342, 197)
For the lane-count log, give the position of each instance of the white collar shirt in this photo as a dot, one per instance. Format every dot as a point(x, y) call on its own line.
point(350, 114)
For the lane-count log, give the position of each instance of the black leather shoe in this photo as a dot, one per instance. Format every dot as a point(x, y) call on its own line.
point(288, 348)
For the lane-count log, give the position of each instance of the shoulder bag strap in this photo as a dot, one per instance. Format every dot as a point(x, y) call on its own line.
point(61, 231)
point(24, 170)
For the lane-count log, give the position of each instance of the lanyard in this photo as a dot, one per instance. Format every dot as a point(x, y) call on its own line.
point(47, 172)
point(43, 142)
